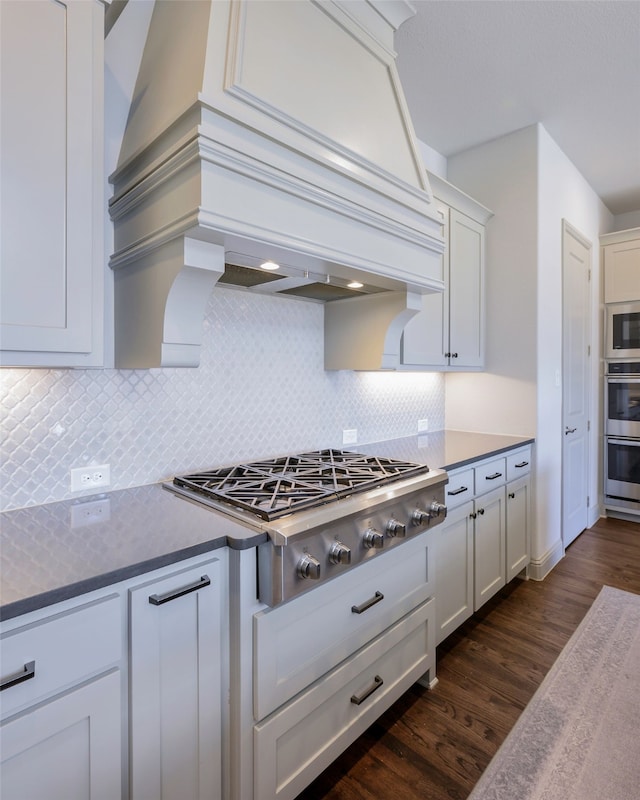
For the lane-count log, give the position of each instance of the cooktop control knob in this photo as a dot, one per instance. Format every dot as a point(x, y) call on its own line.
point(308, 567)
point(395, 528)
point(373, 538)
point(420, 517)
point(339, 553)
point(437, 509)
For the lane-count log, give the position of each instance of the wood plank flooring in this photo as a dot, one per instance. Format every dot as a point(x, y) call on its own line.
point(434, 745)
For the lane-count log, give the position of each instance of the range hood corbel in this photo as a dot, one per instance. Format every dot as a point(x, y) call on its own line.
point(363, 333)
point(160, 301)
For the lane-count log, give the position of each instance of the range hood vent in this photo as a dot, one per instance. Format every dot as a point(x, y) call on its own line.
point(276, 130)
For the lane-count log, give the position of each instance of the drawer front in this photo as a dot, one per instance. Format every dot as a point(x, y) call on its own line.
point(294, 745)
point(519, 464)
point(64, 649)
point(459, 489)
point(299, 641)
point(491, 474)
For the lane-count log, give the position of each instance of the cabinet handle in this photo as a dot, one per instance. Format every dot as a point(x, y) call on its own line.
point(511, 495)
point(377, 683)
point(523, 464)
point(493, 477)
point(481, 511)
point(458, 491)
point(447, 355)
point(377, 597)
point(27, 672)
point(454, 355)
point(159, 599)
point(473, 515)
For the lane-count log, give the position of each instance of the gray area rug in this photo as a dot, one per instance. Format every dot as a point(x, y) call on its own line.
point(579, 736)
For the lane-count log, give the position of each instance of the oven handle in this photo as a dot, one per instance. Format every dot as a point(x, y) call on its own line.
point(377, 597)
point(623, 379)
point(628, 442)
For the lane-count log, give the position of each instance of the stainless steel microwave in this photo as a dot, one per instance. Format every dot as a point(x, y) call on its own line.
point(623, 330)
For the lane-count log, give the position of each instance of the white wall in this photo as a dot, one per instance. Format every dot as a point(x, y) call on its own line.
point(623, 222)
point(531, 186)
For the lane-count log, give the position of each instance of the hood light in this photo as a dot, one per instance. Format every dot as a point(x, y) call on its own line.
point(354, 285)
point(269, 265)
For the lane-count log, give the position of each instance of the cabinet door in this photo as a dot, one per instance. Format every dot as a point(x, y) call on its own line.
point(425, 338)
point(51, 251)
point(466, 291)
point(622, 272)
point(175, 685)
point(68, 748)
point(490, 534)
point(454, 570)
point(518, 502)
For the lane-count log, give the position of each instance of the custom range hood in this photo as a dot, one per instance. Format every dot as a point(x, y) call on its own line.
point(270, 130)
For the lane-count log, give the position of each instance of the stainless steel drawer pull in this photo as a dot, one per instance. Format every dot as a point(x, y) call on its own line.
point(458, 491)
point(27, 672)
point(523, 464)
point(377, 683)
point(493, 477)
point(159, 599)
point(377, 597)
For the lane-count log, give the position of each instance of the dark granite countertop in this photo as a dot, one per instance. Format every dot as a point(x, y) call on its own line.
point(53, 552)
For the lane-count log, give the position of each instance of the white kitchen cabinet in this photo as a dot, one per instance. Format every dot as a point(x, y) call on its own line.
point(490, 543)
point(176, 684)
point(448, 332)
point(621, 266)
point(60, 736)
point(51, 181)
point(327, 665)
point(484, 542)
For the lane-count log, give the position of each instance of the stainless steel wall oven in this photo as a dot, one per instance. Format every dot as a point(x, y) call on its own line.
point(622, 435)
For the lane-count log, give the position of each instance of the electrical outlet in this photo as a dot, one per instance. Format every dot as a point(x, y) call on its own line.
point(423, 425)
point(90, 513)
point(350, 436)
point(94, 477)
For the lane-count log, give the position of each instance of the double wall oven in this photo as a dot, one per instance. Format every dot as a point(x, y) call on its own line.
point(622, 435)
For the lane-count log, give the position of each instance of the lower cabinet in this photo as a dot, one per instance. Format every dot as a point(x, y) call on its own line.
point(61, 730)
point(484, 542)
point(70, 730)
point(175, 685)
point(327, 665)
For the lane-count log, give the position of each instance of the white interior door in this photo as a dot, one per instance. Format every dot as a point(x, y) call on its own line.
point(576, 304)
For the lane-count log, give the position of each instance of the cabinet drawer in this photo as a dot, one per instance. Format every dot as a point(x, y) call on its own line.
point(299, 641)
point(490, 475)
point(299, 741)
point(519, 464)
point(459, 489)
point(65, 649)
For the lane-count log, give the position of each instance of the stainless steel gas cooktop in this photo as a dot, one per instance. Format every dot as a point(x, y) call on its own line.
point(324, 511)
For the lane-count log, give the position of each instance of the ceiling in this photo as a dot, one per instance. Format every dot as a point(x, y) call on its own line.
point(474, 70)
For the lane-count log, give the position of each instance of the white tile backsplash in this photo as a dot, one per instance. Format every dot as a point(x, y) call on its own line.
point(261, 390)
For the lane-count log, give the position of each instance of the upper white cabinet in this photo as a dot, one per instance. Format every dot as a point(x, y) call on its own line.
point(621, 266)
point(51, 182)
point(448, 333)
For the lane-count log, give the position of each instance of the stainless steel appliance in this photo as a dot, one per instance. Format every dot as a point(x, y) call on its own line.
point(623, 330)
point(324, 512)
point(622, 399)
point(622, 478)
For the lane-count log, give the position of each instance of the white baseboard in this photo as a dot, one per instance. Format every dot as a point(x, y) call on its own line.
point(538, 569)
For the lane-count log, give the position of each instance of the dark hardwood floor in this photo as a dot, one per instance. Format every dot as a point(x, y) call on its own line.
point(434, 745)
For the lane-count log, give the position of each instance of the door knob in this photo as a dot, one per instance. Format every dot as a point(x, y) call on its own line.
point(569, 430)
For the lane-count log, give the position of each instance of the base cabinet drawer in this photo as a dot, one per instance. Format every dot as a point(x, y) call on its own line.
point(296, 743)
point(298, 642)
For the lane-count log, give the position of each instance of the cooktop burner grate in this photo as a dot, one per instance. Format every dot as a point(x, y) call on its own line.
point(275, 487)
